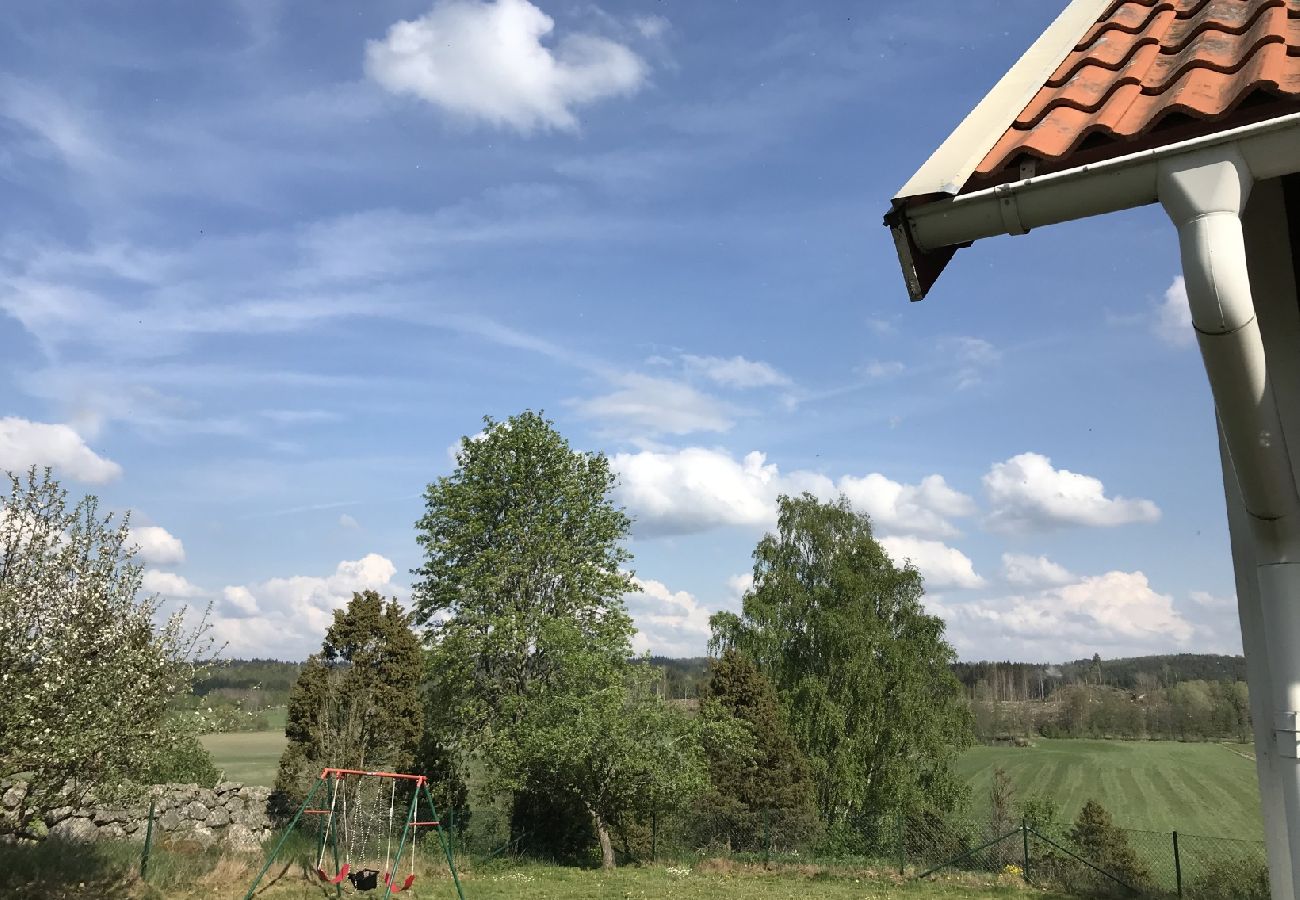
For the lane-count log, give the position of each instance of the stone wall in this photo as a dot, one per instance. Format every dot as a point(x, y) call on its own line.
point(229, 813)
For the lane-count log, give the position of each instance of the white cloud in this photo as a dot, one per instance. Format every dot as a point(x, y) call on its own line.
point(157, 545)
point(286, 618)
point(24, 443)
point(1173, 317)
point(973, 357)
point(880, 370)
point(736, 371)
point(651, 27)
point(169, 584)
point(1213, 602)
point(740, 585)
point(486, 61)
point(941, 565)
point(669, 623)
point(658, 406)
point(696, 489)
point(1026, 493)
point(1022, 568)
point(346, 521)
point(1117, 614)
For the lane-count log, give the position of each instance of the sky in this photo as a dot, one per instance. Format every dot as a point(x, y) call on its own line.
point(263, 263)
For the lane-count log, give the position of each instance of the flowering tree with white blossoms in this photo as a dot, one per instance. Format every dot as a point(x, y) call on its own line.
point(86, 668)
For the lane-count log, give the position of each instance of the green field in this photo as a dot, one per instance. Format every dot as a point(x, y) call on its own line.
point(1151, 785)
point(247, 756)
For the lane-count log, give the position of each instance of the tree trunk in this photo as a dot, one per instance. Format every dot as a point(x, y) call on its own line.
point(606, 846)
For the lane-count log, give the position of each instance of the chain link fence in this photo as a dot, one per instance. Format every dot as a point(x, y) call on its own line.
point(1086, 860)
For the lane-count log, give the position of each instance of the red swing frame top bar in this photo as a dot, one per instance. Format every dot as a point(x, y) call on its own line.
point(418, 779)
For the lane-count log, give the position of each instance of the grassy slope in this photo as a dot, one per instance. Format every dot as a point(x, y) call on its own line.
point(1156, 785)
point(247, 756)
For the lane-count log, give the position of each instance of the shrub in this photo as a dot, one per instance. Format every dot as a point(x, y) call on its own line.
point(1232, 880)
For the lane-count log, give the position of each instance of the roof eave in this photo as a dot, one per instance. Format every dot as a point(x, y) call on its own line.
point(926, 234)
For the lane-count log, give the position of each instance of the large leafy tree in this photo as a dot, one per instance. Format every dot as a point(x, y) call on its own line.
point(761, 791)
point(861, 670)
point(357, 704)
point(521, 594)
point(86, 670)
point(521, 534)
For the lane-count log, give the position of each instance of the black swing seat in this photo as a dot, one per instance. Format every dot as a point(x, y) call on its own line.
point(365, 880)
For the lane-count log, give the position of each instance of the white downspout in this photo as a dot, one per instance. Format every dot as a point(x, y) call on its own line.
point(1204, 194)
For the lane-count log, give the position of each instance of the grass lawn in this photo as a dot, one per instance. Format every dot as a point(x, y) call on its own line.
point(104, 871)
point(1152, 785)
point(247, 756)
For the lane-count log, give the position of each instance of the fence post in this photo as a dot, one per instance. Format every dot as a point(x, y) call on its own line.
point(767, 836)
point(1024, 833)
point(654, 835)
point(902, 847)
point(148, 842)
point(1178, 867)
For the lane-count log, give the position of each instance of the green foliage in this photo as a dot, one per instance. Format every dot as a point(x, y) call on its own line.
point(85, 671)
point(522, 533)
point(760, 794)
point(1231, 879)
point(1095, 838)
point(521, 594)
point(181, 758)
point(861, 670)
point(357, 703)
point(1037, 812)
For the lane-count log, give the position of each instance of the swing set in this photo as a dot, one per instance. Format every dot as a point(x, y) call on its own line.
point(356, 828)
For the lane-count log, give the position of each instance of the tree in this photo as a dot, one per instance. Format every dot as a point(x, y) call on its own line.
point(356, 704)
point(1097, 839)
point(861, 670)
point(86, 672)
point(765, 791)
point(521, 595)
point(521, 534)
point(599, 738)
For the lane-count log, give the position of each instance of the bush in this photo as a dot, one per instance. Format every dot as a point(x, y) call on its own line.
point(1232, 880)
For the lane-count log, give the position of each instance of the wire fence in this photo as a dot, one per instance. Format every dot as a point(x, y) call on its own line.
point(1086, 860)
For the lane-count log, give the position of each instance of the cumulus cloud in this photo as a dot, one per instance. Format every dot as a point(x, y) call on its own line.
point(735, 371)
point(1214, 602)
point(669, 623)
point(169, 584)
point(1173, 317)
point(1118, 613)
point(485, 61)
point(1026, 493)
point(24, 444)
point(695, 489)
point(285, 618)
point(346, 521)
point(156, 545)
point(658, 406)
point(941, 565)
point(1022, 568)
point(740, 585)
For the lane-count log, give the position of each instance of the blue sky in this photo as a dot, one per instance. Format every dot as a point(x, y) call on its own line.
point(263, 263)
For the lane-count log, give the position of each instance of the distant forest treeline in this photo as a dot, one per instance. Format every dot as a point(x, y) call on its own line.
point(1185, 696)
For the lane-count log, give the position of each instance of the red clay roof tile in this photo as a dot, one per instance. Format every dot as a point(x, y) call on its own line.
point(1143, 62)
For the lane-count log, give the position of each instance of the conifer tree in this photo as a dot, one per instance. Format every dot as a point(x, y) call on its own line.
point(764, 793)
point(357, 704)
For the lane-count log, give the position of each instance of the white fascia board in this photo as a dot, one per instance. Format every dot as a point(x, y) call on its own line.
point(1271, 148)
point(951, 165)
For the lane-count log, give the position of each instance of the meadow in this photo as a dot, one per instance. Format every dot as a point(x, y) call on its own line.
point(1197, 788)
point(112, 871)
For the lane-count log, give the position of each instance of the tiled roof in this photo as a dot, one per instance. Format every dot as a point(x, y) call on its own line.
point(1151, 72)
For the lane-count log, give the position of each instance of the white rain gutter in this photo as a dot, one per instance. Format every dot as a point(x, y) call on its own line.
point(1205, 192)
point(1269, 149)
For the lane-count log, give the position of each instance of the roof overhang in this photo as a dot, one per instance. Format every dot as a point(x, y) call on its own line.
point(949, 167)
point(927, 234)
